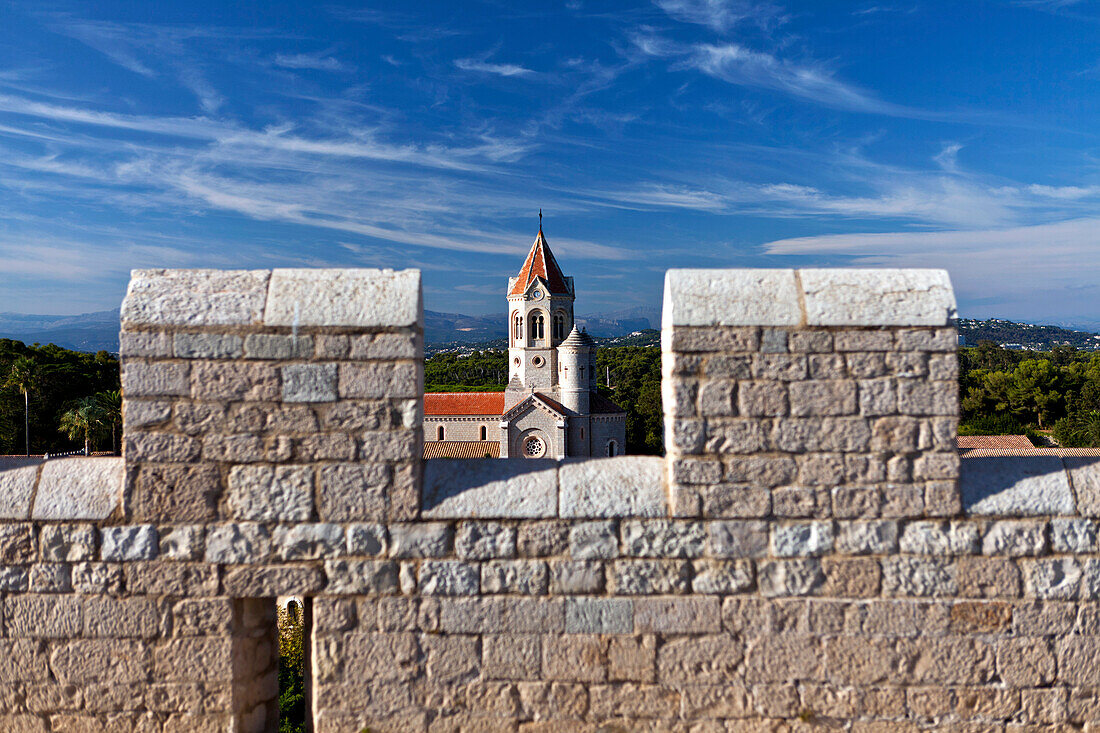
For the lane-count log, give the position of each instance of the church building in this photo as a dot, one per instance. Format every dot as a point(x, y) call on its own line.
point(551, 408)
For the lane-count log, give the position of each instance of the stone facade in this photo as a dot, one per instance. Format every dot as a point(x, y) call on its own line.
point(810, 554)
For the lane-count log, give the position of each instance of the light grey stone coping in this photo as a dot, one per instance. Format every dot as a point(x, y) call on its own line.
point(626, 486)
point(195, 297)
point(79, 488)
point(17, 480)
point(344, 297)
point(489, 488)
point(1017, 486)
point(813, 297)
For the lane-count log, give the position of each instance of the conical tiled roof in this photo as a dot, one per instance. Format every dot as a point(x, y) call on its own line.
point(578, 338)
point(540, 262)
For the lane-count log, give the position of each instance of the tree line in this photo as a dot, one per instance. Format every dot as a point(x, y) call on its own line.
point(53, 400)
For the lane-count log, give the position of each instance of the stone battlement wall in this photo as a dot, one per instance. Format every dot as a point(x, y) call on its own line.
point(811, 551)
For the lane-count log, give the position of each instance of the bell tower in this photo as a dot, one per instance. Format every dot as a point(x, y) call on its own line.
point(540, 317)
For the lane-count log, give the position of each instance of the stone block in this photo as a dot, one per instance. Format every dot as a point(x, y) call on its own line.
point(367, 539)
point(144, 343)
point(67, 542)
point(270, 493)
point(1084, 473)
point(371, 298)
point(541, 539)
point(748, 297)
point(802, 539)
point(278, 346)
point(576, 577)
point(234, 381)
point(195, 297)
point(309, 383)
point(511, 657)
point(523, 577)
point(1015, 486)
point(922, 397)
point(207, 346)
point(649, 577)
point(790, 577)
point(721, 577)
point(691, 615)
point(14, 578)
point(237, 543)
point(1073, 535)
point(490, 488)
point(373, 380)
point(872, 297)
point(940, 538)
point(815, 398)
point(94, 577)
point(176, 492)
point(270, 581)
point(79, 488)
point(662, 538)
point(44, 616)
point(448, 578)
point(867, 538)
point(626, 486)
point(353, 492)
point(1052, 578)
point(737, 539)
point(427, 539)
point(118, 618)
point(308, 541)
point(17, 489)
point(485, 540)
point(762, 399)
point(181, 541)
point(111, 661)
point(155, 379)
point(353, 577)
point(129, 543)
point(1015, 539)
point(593, 541)
point(919, 576)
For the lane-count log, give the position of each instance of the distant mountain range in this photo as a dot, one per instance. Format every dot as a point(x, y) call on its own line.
point(96, 331)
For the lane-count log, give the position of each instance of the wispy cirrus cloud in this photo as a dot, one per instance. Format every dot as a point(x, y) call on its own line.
point(722, 15)
point(485, 67)
point(318, 61)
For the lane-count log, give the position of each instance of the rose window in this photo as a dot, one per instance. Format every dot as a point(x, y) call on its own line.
point(534, 447)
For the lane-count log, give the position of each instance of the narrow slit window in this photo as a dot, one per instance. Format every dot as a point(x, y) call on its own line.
point(484, 433)
point(439, 433)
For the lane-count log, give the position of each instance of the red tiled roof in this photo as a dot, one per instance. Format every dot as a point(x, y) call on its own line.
point(464, 403)
point(993, 442)
point(1028, 452)
point(461, 449)
point(540, 262)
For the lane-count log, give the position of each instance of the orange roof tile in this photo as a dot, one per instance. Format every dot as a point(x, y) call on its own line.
point(464, 403)
point(993, 442)
point(461, 449)
point(540, 262)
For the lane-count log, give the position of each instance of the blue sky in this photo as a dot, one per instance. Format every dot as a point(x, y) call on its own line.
point(707, 133)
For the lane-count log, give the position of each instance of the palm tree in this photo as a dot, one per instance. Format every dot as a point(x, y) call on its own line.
point(25, 375)
point(110, 408)
point(82, 419)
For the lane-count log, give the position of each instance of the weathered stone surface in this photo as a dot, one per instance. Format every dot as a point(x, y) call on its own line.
point(142, 379)
point(626, 486)
point(525, 577)
point(756, 297)
point(867, 538)
point(176, 492)
point(16, 489)
point(207, 346)
point(448, 578)
point(865, 297)
point(144, 343)
point(353, 492)
point(802, 539)
point(790, 577)
point(308, 541)
point(485, 540)
point(79, 488)
point(737, 539)
point(374, 380)
point(1057, 578)
point(1085, 475)
point(576, 577)
point(128, 543)
point(490, 488)
point(1074, 535)
point(721, 576)
point(1019, 486)
point(662, 538)
point(269, 581)
point(1015, 538)
point(344, 297)
point(181, 542)
point(309, 383)
point(940, 538)
point(267, 493)
point(367, 539)
point(195, 297)
point(277, 346)
point(599, 616)
point(649, 577)
point(361, 576)
point(67, 542)
point(427, 539)
point(594, 541)
point(691, 615)
point(237, 543)
point(43, 616)
point(918, 576)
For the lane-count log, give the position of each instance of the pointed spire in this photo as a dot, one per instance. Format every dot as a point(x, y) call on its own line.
point(540, 263)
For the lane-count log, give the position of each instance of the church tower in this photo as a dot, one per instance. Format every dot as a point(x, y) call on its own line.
point(540, 317)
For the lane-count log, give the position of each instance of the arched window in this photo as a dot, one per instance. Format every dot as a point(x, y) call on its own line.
point(612, 448)
point(559, 326)
point(485, 430)
point(537, 326)
point(517, 327)
point(582, 433)
point(439, 431)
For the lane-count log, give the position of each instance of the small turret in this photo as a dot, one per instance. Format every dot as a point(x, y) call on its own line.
point(575, 378)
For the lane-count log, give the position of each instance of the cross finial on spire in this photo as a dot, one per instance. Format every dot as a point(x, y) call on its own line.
point(540, 219)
